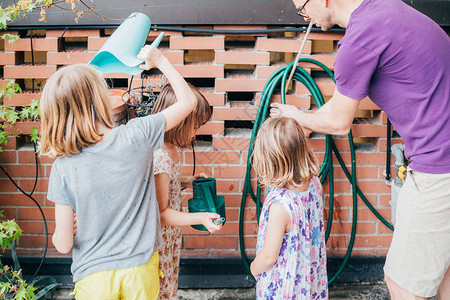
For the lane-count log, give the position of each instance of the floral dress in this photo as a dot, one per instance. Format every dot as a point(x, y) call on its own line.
point(169, 253)
point(300, 271)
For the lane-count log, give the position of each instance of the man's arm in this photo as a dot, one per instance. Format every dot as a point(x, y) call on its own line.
point(335, 117)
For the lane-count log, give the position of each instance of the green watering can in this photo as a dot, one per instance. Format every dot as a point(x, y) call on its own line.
point(206, 200)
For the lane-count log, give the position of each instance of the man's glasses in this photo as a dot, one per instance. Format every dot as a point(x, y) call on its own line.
point(302, 11)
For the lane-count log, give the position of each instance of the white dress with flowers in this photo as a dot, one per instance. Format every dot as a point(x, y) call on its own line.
point(169, 253)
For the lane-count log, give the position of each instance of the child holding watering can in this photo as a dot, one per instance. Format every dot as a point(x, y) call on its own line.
point(168, 181)
point(102, 173)
point(291, 258)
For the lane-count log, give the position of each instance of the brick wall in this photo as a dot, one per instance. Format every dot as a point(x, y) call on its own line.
point(231, 71)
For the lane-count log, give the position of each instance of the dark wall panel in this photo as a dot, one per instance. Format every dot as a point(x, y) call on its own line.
point(202, 12)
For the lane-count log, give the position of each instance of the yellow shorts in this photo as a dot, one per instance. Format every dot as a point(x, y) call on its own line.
point(140, 282)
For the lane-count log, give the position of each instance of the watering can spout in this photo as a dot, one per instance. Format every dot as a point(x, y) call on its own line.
point(206, 200)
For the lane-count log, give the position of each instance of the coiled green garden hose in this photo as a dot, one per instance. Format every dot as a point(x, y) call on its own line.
point(278, 79)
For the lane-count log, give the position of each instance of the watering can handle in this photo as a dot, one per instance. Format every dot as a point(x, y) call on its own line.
point(209, 199)
point(157, 40)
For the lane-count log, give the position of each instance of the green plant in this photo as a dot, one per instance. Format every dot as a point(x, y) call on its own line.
point(12, 285)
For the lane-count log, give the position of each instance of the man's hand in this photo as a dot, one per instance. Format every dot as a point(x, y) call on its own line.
point(282, 110)
point(286, 110)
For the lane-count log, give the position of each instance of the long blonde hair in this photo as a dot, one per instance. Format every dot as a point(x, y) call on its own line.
point(281, 156)
point(180, 135)
point(72, 101)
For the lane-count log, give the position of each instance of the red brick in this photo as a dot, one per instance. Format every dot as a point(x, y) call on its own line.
point(22, 99)
point(235, 113)
point(11, 144)
point(367, 104)
point(31, 227)
point(212, 128)
point(368, 130)
point(214, 157)
point(383, 229)
point(372, 241)
point(198, 169)
point(382, 117)
point(193, 253)
point(236, 84)
point(214, 99)
point(27, 156)
point(8, 156)
point(355, 252)
point(229, 253)
point(19, 199)
point(321, 36)
point(266, 71)
point(34, 241)
point(29, 71)
point(39, 44)
point(339, 214)
point(28, 184)
point(23, 127)
point(367, 215)
point(197, 42)
point(175, 57)
point(73, 33)
point(345, 228)
point(231, 143)
point(281, 45)
point(7, 186)
point(326, 87)
point(9, 213)
point(234, 200)
point(243, 57)
point(95, 43)
point(326, 59)
point(226, 171)
point(8, 58)
point(227, 186)
point(188, 230)
point(340, 241)
point(298, 101)
point(69, 57)
point(210, 242)
point(32, 213)
point(23, 170)
point(200, 70)
point(155, 32)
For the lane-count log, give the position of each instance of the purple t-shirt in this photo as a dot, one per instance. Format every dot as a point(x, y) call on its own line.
point(401, 59)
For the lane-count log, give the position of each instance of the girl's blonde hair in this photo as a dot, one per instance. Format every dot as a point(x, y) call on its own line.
point(72, 101)
point(180, 135)
point(281, 156)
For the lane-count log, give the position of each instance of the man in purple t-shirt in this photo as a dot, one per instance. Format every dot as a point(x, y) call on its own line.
point(400, 59)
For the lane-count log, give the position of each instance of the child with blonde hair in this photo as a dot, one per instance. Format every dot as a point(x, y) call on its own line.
point(291, 260)
point(168, 181)
point(104, 175)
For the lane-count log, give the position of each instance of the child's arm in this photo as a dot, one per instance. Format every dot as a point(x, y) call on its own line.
point(279, 222)
point(186, 100)
point(172, 217)
point(63, 236)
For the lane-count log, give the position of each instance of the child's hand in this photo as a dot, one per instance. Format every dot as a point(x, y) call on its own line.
point(207, 221)
point(151, 56)
point(187, 181)
point(253, 271)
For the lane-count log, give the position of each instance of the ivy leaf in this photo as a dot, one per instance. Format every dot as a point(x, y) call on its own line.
point(35, 135)
point(12, 116)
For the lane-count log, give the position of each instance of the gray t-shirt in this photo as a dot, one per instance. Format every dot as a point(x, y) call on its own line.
point(111, 188)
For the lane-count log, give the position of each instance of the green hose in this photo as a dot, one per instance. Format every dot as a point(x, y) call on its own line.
point(278, 80)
